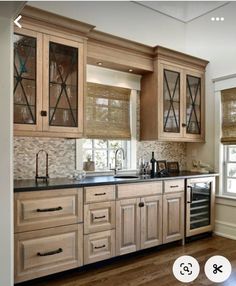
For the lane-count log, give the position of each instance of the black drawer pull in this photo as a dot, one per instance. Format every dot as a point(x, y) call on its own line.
point(141, 204)
point(102, 246)
point(53, 252)
point(98, 217)
point(49, 210)
point(100, 194)
point(176, 186)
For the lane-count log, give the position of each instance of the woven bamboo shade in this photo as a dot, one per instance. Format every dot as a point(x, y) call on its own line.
point(228, 100)
point(107, 112)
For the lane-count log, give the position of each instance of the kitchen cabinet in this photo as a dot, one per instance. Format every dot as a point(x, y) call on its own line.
point(48, 232)
point(48, 84)
point(99, 223)
point(200, 200)
point(173, 217)
point(138, 219)
point(173, 99)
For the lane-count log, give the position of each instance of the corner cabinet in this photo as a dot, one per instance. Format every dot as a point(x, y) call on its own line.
point(48, 84)
point(173, 99)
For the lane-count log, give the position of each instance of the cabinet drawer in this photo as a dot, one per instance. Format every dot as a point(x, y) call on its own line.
point(99, 217)
point(43, 209)
point(171, 186)
point(43, 252)
point(139, 190)
point(99, 246)
point(99, 194)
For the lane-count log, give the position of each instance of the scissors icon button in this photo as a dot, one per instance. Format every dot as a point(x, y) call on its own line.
point(217, 268)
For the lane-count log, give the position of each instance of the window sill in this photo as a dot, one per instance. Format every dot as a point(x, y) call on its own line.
point(226, 200)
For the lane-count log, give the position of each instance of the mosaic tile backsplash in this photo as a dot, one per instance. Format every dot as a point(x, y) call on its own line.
point(61, 156)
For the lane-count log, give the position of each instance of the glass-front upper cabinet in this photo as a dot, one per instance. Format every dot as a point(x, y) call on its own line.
point(63, 85)
point(27, 80)
point(181, 114)
point(48, 85)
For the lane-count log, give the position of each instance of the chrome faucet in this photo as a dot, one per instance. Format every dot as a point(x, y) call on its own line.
point(116, 165)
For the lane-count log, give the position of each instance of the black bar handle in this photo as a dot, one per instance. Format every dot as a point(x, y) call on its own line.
point(102, 246)
point(141, 204)
point(191, 194)
point(100, 194)
point(98, 217)
point(176, 186)
point(50, 210)
point(53, 252)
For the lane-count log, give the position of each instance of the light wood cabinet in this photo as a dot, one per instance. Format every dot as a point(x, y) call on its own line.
point(99, 246)
point(48, 84)
point(127, 226)
point(138, 219)
point(99, 194)
point(43, 252)
point(151, 221)
point(44, 209)
point(173, 98)
point(173, 217)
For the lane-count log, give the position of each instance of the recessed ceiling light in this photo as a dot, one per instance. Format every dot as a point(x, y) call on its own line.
point(130, 70)
point(222, 18)
point(212, 18)
point(217, 19)
point(99, 63)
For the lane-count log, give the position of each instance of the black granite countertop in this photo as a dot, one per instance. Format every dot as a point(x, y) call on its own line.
point(63, 183)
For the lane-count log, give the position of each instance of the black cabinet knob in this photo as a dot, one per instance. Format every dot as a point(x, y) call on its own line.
point(184, 124)
point(43, 113)
point(141, 204)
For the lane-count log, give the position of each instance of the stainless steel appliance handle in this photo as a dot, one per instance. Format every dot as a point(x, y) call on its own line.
point(191, 195)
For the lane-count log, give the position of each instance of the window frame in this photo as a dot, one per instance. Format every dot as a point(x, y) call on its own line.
point(226, 161)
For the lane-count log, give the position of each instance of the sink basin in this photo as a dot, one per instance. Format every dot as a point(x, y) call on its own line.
point(126, 177)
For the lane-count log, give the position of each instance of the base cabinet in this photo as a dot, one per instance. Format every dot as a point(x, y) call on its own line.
point(173, 217)
point(138, 224)
point(99, 246)
point(42, 252)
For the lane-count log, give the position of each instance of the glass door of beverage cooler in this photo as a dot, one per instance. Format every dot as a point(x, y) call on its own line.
point(200, 205)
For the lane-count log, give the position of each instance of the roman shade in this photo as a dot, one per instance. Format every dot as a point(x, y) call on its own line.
point(107, 112)
point(228, 100)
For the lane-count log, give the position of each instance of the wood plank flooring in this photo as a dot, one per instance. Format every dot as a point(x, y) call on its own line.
point(149, 268)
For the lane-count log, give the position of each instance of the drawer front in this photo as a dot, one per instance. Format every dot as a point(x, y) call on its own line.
point(43, 209)
point(99, 246)
point(139, 190)
point(99, 217)
point(100, 194)
point(43, 252)
point(172, 186)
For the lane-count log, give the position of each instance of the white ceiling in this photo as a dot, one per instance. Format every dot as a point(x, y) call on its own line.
point(184, 11)
point(11, 8)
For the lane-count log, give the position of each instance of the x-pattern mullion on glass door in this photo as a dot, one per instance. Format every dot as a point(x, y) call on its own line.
point(193, 100)
point(171, 101)
point(63, 87)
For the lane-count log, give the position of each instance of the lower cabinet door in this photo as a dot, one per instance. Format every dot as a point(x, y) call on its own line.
point(173, 217)
point(99, 246)
point(127, 226)
point(151, 221)
point(42, 252)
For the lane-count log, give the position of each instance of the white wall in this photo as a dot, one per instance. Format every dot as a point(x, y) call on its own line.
point(123, 19)
point(216, 42)
point(6, 171)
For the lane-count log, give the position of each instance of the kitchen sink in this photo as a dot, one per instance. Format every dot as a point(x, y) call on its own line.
point(126, 177)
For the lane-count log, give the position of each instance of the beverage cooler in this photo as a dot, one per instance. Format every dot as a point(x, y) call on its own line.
point(200, 200)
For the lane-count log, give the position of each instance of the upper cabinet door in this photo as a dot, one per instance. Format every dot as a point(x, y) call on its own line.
point(170, 107)
point(27, 80)
point(63, 86)
point(194, 106)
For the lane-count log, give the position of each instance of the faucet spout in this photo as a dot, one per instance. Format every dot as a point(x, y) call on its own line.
point(116, 155)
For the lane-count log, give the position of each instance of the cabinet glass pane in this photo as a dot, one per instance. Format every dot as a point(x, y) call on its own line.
point(200, 207)
point(193, 104)
point(24, 79)
point(171, 101)
point(63, 85)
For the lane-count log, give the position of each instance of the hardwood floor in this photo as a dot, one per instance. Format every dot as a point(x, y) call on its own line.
point(149, 268)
